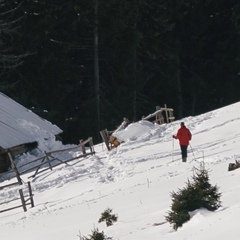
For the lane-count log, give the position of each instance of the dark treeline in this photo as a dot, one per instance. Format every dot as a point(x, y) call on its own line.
point(184, 53)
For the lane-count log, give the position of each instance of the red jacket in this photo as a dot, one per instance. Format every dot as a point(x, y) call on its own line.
point(183, 135)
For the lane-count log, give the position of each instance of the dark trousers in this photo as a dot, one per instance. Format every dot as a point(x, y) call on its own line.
point(184, 151)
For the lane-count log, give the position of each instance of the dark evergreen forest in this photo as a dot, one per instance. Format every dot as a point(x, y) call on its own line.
point(183, 53)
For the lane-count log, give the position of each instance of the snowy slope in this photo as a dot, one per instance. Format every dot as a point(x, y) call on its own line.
point(135, 181)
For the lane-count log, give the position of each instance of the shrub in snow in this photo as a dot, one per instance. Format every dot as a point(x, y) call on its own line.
point(96, 235)
point(108, 217)
point(197, 194)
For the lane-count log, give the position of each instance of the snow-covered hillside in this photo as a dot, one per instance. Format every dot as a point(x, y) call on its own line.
point(135, 181)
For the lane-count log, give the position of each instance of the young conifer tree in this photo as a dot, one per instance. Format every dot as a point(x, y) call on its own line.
point(197, 194)
point(208, 196)
point(96, 235)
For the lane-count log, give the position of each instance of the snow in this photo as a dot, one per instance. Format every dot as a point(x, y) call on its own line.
point(19, 125)
point(135, 181)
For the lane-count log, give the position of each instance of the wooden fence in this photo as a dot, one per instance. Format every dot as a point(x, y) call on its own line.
point(22, 198)
point(161, 115)
point(48, 161)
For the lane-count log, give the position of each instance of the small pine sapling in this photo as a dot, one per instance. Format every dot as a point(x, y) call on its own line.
point(108, 217)
point(96, 235)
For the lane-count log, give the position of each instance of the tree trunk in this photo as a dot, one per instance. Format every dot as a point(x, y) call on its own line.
point(179, 82)
point(96, 65)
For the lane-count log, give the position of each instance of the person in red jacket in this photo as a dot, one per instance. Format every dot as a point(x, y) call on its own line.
point(184, 136)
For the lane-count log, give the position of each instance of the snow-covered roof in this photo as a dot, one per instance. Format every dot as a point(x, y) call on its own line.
point(15, 121)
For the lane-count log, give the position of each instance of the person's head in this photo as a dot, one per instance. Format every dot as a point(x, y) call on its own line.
point(182, 124)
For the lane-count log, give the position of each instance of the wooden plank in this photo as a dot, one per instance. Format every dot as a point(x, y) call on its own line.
point(105, 139)
point(15, 168)
point(22, 200)
point(86, 141)
point(30, 194)
point(9, 185)
point(8, 209)
point(48, 160)
point(42, 162)
point(83, 146)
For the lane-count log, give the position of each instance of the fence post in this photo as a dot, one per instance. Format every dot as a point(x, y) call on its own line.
point(30, 194)
point(83, 146)
point(49, 163)
point(91, 146)
point(13, 165)
point(166, 111)
point(22, 199)
point(105, 138)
